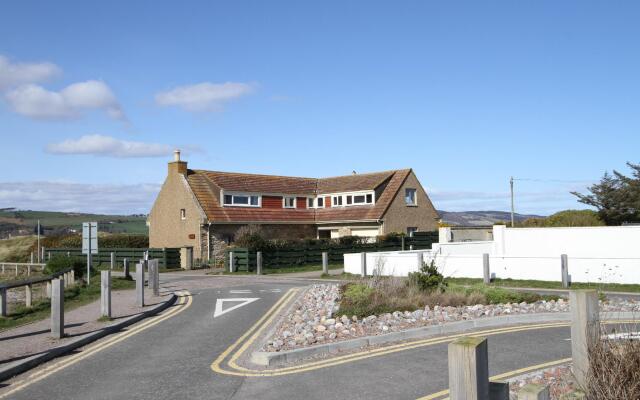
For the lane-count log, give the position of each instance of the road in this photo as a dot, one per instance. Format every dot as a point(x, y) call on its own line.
point(172, 358)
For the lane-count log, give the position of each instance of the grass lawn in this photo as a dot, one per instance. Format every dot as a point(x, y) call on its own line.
point(286, 270)
point(612, 287)
point(75, 296)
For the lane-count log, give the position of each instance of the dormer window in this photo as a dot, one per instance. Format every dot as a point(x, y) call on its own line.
point(336, 201)
point(289, 202)
point(242, 200)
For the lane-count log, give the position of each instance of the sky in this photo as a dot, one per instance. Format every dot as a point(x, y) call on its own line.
point(95, 97)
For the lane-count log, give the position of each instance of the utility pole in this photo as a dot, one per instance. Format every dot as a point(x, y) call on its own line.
point(512, 207)
point(38, 241)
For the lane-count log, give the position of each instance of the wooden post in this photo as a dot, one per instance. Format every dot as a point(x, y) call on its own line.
point(259, 263)
point(585, 330)
point(140, 284)
point(564, 270)
point(28, 295)
point(3, 302)
point(32, 257)
point(113, 260)
point(325, 262)
point(16, 269)
point(468, 369)
point(57, 308)
point(485, 268)
point(125, 267)
point(534, 392)
point(105, 294)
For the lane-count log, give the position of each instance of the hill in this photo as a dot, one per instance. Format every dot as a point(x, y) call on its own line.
point(23, 222)
point(481, 218)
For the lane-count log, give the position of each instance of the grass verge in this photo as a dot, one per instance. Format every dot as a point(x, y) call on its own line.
point(611, 287)
point(74, 297)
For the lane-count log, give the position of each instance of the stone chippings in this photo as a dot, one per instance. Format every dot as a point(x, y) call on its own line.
point(315, 318)
point(559, 379)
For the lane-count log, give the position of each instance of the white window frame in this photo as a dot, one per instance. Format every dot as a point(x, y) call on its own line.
point(311, 202)
point(239, 194)
point(415, 197)
point(183, 214)
point(318, 203)
point(334, 202)
point(284, 202)
point(344, 197)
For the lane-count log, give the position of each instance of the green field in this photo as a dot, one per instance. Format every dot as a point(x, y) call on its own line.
point(19, 222)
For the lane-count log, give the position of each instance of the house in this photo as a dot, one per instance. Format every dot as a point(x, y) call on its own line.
point(204, 209)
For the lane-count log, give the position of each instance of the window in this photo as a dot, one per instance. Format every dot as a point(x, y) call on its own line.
point(183, 213)
point(243, 200)
point(411, 230)
point(289, 202)
point(369, 198)
point(349, 200)
point(359, 199)
point(337, 201)
point(410, 197)
point(320, 202)
point(310, 202)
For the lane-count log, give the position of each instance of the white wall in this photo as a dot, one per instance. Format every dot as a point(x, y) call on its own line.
point(596, 254)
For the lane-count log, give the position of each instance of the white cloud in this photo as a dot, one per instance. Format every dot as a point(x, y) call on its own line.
point(14, 74)
point(205, 96)
point(107, 146)
point(34, 101)
point(79, 197)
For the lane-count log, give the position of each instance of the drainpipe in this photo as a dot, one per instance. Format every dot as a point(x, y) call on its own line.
point(209, 242)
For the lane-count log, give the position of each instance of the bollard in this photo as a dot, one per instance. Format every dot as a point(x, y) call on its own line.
point(113, 260)
point(72, 277)
point(3, 302)
point(259, 263)
point(16, 269)
point(32, 257)
point(125, 267)
point(29, 270)
point(154, 277)
point(57, 308)
point(468, 369)
point(325, 262)
point(363, 264)
point(231, 261)
point(564, 270)
point(534, 392)
point(28, 295)
point(140, 284)
point(585, 330)
point(105, 294)
point(485, 268)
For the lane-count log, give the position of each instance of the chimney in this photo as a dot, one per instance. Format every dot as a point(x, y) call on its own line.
point(176, 166)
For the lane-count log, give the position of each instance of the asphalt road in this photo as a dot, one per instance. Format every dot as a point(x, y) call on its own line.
point(172, 360)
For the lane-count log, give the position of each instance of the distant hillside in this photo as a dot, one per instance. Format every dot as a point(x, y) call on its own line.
point(19, 222)
point(480, 218)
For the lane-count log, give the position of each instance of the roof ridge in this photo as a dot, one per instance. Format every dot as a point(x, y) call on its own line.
point(253, 174)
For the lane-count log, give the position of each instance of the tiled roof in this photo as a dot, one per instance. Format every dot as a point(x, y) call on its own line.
point(206, 186)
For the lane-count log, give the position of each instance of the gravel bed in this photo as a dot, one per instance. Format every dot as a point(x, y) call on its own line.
point(559, 379)
point(315, 318)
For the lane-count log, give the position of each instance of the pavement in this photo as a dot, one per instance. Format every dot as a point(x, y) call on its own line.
point(172, 356)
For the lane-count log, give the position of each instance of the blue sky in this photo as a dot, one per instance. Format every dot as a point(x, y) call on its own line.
point(94, 97)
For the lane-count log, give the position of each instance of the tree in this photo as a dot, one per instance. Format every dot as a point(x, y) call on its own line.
point(565, 218)
point(616, 197)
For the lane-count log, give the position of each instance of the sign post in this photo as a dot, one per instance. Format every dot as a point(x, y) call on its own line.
point(89, 243)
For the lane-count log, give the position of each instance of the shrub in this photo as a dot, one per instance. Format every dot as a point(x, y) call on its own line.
point(614, 370)
point(428, 278)
point(251, 237)
point(59, 263)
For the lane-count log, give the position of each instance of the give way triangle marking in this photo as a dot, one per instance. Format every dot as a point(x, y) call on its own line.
point(220, 302)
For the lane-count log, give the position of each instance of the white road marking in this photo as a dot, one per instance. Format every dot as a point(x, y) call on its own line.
point(276, 290)
point(243, 302)
point(240, 291)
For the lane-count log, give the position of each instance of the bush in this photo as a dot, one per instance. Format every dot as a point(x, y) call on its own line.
point(121, 240)
point(252, 237)
point(614, 370)
point(428, 278)
point(59, 263)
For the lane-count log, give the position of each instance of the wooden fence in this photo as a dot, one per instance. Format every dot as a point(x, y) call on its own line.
point(169, 257)
point(245, 260)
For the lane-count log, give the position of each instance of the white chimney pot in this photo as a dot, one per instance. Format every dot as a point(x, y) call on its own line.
point(176, 155)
